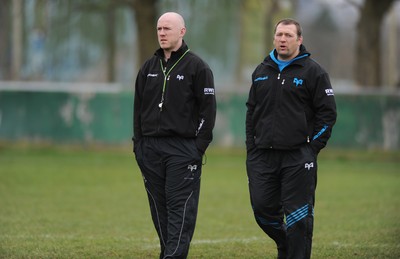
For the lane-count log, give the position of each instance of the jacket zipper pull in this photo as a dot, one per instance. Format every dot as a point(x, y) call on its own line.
point(279, 76)
point(283, 81)
point(160, 105)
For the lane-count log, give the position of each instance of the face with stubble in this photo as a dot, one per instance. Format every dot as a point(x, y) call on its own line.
point(287, 42)
point(170, 31)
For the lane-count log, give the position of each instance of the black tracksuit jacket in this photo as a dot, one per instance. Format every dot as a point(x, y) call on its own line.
point(288, 108)
point(188, 107)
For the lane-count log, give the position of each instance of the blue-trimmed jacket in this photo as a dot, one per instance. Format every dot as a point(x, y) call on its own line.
point(290, 107)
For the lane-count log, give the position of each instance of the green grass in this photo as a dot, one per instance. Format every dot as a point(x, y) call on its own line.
point(71, 202)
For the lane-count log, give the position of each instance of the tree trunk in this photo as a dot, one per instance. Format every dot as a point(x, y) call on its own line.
point(16, 56)
point(368, 50)
point(270, 15)
point(146, 20)
point(5, 44)
point(111, 44)
point(240, 30)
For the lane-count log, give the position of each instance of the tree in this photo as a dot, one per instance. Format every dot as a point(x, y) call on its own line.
point(145, 13)
point(251, 14)
point(5, 43)
point(368, 49)
point(146, 17)
point(17, 34)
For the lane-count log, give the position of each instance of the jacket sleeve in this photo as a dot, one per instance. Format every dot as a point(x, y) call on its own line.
point(324, 107)
point(139, 84)
point(250, 134)
point(205, 98)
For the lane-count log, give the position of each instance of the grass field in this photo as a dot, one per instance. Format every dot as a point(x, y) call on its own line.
point(71, 202)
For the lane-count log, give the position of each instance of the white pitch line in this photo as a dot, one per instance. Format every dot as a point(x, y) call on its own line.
point(226, 240)
point(151, 243)
point(339, 244)
point(215, 241)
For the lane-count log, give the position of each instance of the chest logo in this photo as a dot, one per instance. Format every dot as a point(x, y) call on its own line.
point(297, 81)
point(179, 77)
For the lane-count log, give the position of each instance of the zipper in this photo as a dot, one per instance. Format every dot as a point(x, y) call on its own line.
point(277, 101)
point(279, 77)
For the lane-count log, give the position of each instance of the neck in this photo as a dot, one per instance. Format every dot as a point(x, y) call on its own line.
point(286, 58)
point(168, 52)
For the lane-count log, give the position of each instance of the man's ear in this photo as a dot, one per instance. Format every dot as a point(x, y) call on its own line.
point(300, 39)
point(183, 31)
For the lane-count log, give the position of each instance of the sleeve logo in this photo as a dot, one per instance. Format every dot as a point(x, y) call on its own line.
point(261, 78)
point(209, 91)
point(329, 92)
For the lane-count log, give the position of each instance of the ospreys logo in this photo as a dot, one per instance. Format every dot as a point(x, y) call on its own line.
point(297, 81)
point(308, 165)
point(192, 167)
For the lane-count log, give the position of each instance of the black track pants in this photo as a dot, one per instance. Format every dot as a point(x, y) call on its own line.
point(282, 184)
point(171, 169)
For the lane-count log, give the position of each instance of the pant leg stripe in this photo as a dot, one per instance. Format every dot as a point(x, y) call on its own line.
point(276, 225)
point(158, 217)
point(297, 215)
point(300, 217)
point(183, 223)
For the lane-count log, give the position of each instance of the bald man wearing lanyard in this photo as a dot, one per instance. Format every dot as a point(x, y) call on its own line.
point(174, 115)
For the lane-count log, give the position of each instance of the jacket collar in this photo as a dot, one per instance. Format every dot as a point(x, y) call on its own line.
point(272, 57)
point(175, 55)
